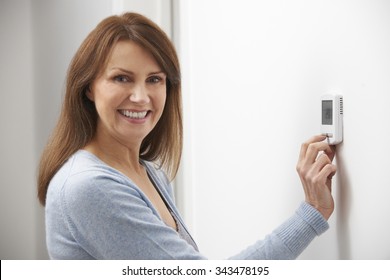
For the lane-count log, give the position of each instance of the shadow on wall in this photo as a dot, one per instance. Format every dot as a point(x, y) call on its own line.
point(343, 205)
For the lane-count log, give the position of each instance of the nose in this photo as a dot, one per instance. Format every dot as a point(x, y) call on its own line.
point(139, 95)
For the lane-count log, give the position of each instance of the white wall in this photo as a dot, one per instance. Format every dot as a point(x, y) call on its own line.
point(254, 72)
point(38, 40)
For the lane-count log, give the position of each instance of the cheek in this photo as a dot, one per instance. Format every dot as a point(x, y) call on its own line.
point(162, 101)
point(107, 97)
point(163, 96)
point(99, 102)
point(158, 98)
point(105, 108)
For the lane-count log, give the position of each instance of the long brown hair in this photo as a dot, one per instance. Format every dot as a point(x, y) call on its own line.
point(77, 122)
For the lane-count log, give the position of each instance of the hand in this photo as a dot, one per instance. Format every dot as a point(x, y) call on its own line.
point(316, 170)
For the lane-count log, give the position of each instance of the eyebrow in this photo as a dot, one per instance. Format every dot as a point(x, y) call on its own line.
point(132, 73)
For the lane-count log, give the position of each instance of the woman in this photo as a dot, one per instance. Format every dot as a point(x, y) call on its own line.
point(102, 175)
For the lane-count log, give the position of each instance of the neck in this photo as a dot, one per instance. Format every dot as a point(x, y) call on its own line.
point(115, 154)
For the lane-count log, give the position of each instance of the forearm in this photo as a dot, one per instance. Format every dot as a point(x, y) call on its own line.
point(290, 238)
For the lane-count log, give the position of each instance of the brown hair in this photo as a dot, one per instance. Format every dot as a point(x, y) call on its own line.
point(77, 122)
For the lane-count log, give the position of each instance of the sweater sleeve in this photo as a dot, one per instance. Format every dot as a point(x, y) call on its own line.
point(290, 239)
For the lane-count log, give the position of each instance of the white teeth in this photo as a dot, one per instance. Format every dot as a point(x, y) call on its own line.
point(133, 115)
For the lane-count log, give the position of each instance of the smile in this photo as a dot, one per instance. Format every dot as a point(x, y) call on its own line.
point(133, 115)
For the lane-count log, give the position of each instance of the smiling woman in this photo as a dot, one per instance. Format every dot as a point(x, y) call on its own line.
point(78, 120)
point(102, 176)
point(129, 97)
point(122, 109)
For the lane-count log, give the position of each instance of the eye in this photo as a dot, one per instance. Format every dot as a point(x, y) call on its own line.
point(154, 79)
point(121, 79)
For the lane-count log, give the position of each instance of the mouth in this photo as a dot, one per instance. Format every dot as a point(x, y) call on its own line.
point(134, 114)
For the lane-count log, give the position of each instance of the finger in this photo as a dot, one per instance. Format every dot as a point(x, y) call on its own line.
point(314, 149)
point(332, 152)
point(321, 161)
point(327, 172)
point(306, 144)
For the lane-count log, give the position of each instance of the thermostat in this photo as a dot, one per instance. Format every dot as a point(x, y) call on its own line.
point(332, 117)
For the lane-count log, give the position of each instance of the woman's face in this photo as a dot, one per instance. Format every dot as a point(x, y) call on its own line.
point(129, 94)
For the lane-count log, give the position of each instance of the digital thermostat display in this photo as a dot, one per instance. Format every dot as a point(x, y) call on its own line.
point(332, 117)
point(327, 113)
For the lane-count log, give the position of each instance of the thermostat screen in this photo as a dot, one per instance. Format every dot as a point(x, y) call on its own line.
point(327, 112)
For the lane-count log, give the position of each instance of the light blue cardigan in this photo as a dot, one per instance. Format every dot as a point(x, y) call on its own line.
point(95, 212)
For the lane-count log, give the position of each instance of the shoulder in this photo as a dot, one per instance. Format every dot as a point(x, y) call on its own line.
point(85, 179)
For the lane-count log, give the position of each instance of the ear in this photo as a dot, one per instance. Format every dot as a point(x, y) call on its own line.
point(90, 94)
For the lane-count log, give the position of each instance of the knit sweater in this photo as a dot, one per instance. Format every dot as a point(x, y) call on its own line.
point(95, 212)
